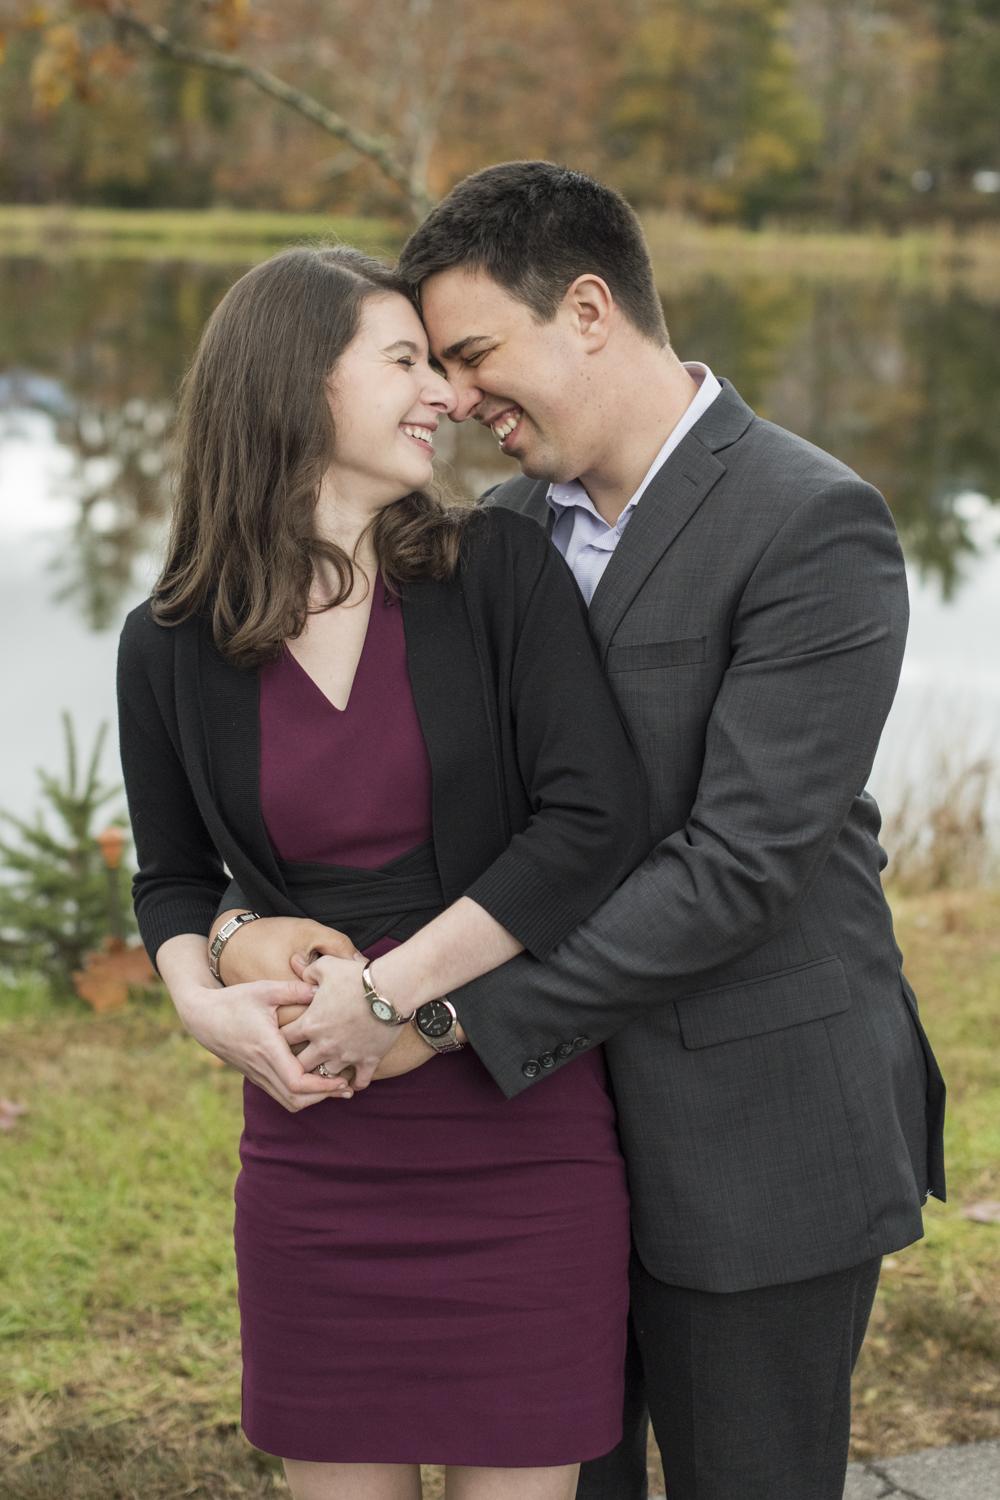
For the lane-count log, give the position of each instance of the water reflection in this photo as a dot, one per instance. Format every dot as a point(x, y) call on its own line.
point(899, 384)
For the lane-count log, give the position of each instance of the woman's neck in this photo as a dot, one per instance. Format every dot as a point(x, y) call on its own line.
point(344, 519)
point(344, 513)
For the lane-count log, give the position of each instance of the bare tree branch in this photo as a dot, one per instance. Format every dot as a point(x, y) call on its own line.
point(376, 150)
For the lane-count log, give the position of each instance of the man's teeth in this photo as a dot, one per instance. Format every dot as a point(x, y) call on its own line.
point(423, 433)
point(505, 427)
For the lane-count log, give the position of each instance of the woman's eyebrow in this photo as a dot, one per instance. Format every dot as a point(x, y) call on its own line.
point(402, 344)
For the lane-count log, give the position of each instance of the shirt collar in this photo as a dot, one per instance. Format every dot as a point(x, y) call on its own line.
point(561, 496)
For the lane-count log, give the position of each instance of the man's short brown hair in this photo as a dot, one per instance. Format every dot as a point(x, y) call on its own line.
point(534, 227)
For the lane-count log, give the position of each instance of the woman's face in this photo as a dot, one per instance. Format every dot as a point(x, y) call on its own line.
point(386, 402)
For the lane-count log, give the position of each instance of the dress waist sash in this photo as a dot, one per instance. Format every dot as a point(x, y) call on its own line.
point(393, 901)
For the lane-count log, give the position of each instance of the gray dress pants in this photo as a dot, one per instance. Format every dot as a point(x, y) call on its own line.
point(749, 1392)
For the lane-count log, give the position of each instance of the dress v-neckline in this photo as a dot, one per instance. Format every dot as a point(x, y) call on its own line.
point(361, 658)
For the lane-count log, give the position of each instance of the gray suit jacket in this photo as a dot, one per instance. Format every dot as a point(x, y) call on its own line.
point(779, 1106)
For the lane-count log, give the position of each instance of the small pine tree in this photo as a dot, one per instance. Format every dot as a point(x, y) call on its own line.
point(57, 905)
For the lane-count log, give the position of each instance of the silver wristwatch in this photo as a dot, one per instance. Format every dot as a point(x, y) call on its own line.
point(223, 935)
point(381, 1008)
point(437, 1023)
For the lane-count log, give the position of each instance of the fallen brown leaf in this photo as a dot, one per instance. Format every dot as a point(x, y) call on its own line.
point(107, 974)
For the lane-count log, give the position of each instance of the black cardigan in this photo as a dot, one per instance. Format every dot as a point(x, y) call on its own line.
point(539, 803)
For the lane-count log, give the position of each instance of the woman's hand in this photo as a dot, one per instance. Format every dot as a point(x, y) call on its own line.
point(338, 1025)
point(263, 949)
point(240, 1023)
point(407, 1052)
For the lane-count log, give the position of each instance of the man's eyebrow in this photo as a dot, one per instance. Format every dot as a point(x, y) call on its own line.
point(454, 351)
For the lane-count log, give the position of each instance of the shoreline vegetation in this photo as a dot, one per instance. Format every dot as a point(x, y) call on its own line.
point(684, 250)
point(119, 1371)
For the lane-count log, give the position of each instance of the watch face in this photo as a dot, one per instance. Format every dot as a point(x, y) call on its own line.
point(435, 1019)
point(381, 1009)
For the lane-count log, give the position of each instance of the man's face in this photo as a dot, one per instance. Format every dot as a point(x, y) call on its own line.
point(529, 382)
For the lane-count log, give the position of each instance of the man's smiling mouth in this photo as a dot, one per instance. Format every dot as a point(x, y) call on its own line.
point(503, 425)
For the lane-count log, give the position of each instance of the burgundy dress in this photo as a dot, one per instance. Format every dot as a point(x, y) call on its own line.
point(428, 1273)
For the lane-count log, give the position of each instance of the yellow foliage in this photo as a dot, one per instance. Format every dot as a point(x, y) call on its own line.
point(59, 70)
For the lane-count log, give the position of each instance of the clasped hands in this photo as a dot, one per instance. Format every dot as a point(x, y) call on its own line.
point(336, 1028)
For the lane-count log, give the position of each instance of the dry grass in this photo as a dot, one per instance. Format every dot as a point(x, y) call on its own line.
point(938, 836)
point(119, 1373)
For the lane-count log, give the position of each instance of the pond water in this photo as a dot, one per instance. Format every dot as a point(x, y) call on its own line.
point(901, 383)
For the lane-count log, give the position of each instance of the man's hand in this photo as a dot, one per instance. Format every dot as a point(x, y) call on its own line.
point(263, 949)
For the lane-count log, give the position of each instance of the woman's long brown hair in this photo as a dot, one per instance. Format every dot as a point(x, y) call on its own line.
point(256, 436)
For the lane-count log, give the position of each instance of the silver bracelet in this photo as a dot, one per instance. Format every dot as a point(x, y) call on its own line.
point(222, 937)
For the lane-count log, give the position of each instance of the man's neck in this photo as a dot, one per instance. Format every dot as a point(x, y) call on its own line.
point(653, 393)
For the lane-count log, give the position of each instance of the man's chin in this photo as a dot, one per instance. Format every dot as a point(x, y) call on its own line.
point(535, 466)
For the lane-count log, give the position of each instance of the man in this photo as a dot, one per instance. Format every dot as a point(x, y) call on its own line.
point(779, 1107)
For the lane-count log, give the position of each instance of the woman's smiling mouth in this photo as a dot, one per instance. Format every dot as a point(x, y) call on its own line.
point(422, 436)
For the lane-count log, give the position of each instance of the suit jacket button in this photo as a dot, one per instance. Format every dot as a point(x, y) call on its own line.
point(530, 1069)
point(546, 1059)
point(579, 1042)
point(564, 1049)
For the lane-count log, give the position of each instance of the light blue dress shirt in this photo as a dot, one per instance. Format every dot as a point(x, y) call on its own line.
point(585, 540)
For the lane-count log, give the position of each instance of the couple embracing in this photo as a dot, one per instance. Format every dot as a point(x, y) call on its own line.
point(520, 859)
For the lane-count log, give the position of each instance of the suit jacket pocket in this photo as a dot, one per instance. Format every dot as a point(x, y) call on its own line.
point(641, 657)
point(790, 997)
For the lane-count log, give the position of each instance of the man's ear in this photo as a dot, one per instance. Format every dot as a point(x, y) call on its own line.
point(589, 305)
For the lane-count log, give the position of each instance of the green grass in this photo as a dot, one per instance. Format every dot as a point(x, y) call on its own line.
point(219, 235)
point(119, 1354)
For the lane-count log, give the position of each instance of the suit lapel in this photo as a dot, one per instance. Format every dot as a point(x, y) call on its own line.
point(671, 500)
point(673, 496)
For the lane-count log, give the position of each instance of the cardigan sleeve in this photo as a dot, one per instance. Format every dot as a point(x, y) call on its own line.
point(589, 823)
point(180, 876)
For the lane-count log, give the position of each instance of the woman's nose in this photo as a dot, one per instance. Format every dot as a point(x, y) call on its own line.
point(441, 396)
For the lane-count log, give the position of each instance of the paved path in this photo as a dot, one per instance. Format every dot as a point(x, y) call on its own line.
point(970, 1472)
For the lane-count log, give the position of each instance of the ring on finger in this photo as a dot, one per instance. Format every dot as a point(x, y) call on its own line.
point(324, 1072)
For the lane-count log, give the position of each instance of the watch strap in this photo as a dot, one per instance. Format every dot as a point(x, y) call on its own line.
point(381, 1008)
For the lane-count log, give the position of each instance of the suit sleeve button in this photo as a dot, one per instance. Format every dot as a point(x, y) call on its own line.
point(579, 1042)
point(530, 1069)
point(546, 1059)
point(564, 1049)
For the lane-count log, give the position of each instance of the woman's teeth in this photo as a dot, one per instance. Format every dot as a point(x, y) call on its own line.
point(506, 425)
point(423, 433)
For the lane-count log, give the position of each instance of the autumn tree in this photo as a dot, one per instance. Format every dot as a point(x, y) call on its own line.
point(709, 112)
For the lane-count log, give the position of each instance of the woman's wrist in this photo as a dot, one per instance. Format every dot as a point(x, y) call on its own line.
point(395, 976)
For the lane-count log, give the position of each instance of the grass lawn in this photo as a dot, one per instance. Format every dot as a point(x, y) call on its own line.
point(119, 1372)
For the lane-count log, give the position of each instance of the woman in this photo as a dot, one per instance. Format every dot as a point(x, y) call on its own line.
point(389, 718)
